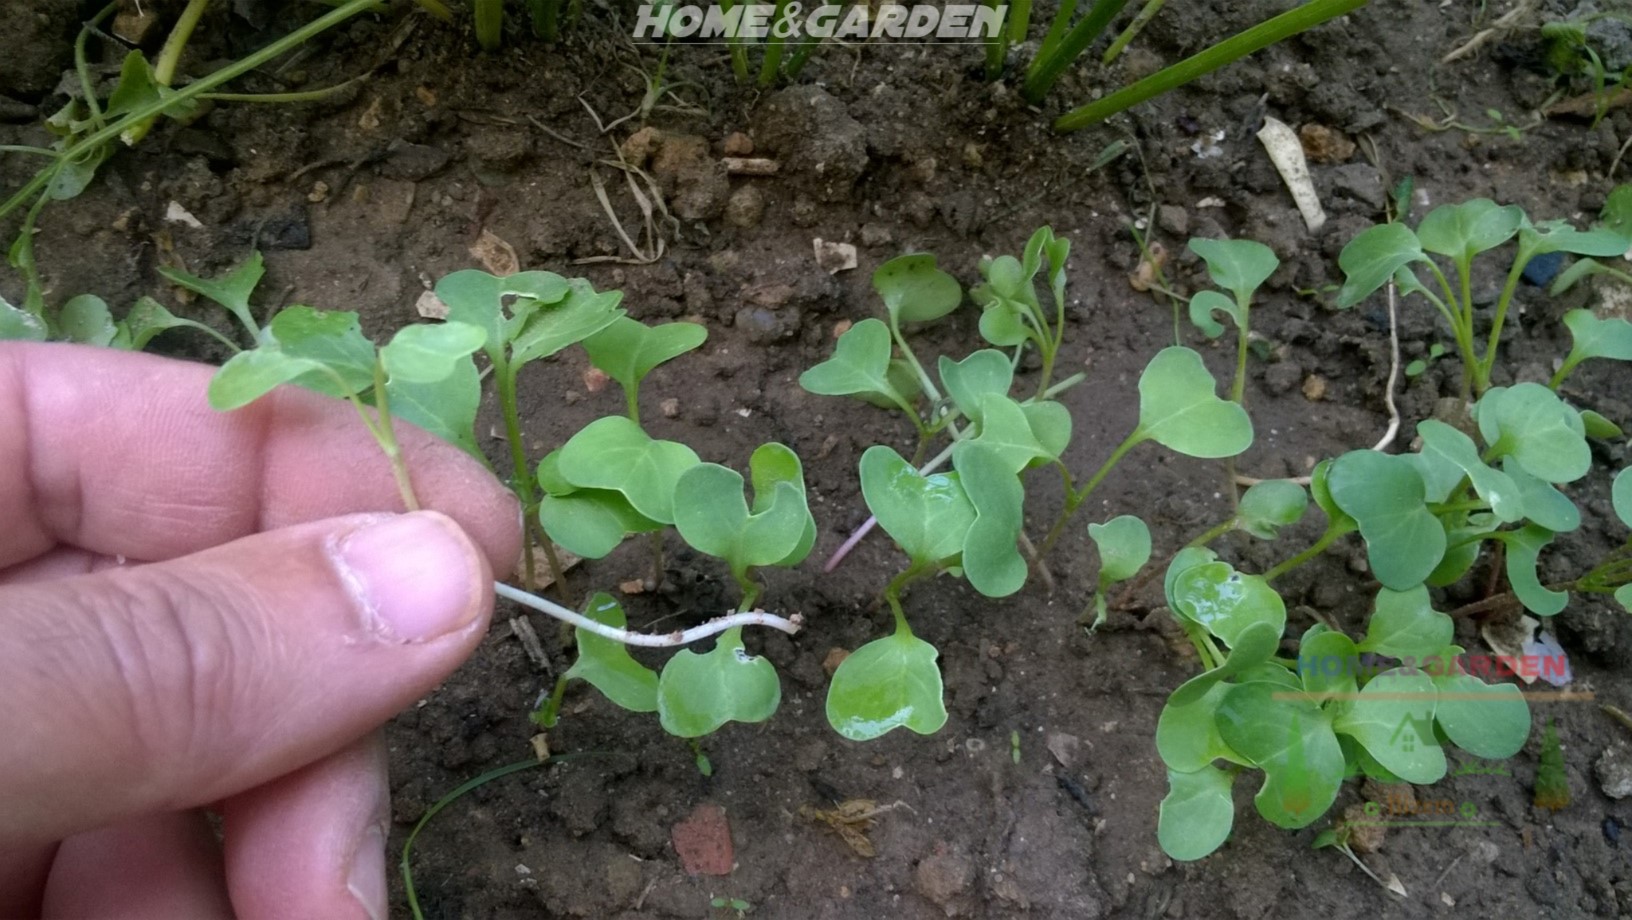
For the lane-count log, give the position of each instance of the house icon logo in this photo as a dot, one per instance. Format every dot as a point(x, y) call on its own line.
point(1412, 731)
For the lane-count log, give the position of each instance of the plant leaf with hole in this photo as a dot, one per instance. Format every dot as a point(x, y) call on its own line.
point(1197, 813)
point(888, 683)
point(914, 290)
point(697, 694)
point(607, 665)
point(478, 298)
point(1268, 506)
point(1384, 494)
point(1179, 409)
point(927, 516)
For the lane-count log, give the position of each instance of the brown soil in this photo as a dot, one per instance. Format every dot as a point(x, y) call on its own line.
point(358, 201)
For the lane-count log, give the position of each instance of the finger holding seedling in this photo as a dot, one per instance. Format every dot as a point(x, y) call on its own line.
point(195, 610)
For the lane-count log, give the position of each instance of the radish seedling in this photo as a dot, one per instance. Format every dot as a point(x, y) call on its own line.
point(1237, 266)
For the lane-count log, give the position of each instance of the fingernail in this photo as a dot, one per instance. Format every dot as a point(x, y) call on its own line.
point(412, 575)
point(366, 880)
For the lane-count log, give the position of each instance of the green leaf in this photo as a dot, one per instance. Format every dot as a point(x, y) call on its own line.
point(1459, 556)
point(1179, 409)
point(446, 408)
point(713, 517)
point(1623, 596)
point(1203, 304)
point(1050, 425)
point(249, 375)
point(1187, 736)
point(1384, 494)
point(77, 172)
point(1270, 505)
point(1254, 646)
point(331, 338)
point(1288, 737)
point(552, 327)
point(426, 353)
point(774, 463)
point(696, 694)
point(591, 522)
point(614, 453)
point(17, 324)
point(984, 373)
point(478, 298)
point(1237, 266)
point(991, 557)
point(231, 291)
point(1185, 559)
point(1459, 451)
point(1226, 601)
point(86, 319)
point(1621, 496)
point(1591, 337)
point(1405, 625)
point(627, 349)
point(1327, 664)
point(147, 318)
point(927, 516)
point(606, 664)
point(1543, 504)
point(884, 685)
point(1320, 489)
point(1196, 814)
point(1539, 430)
point(1597, 426)
point(1393, 718)
point(1462, 231)
point(914, 290)
point(1373, 257)
point(1559, 236)
point(1524, 548)
point(1006, 429)
point(1487, 720)
point(860, 365)
point(1124, 547)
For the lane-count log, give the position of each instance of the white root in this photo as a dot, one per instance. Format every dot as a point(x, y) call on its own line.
point(663, 640)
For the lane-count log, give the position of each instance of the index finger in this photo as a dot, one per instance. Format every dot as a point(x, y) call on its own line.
point(119, 453)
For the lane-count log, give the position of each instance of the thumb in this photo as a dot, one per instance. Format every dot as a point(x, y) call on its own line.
point(171, 685)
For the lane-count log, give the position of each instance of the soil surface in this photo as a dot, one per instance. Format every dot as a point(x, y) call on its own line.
point(1039, 797)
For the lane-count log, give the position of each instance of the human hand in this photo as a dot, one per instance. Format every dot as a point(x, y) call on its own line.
point(196, 610)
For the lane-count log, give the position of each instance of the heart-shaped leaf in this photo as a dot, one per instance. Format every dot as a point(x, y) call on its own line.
point(1463, 230)
point(426, 353)
point(927, 516)
point(860, 365)
point(1287, 736)
point(888, 683)
point(1124, 547)
point(713, 517)
point(1050, 425)
point(333, 339)
point(1179, 409)
point(1384, 494)
point(1187, 736)
point(1268, 506)
point(696, 694)
point(1225, 601)
point(606, 664)
point(1373, 257)
point(1486, 720)
point(1196, 814)
point(984, 373)
point(614, 453)
point(1005, 429)
point(1237, 266)
point(914, 290)
point(1458, 450)
point(991, 557)
point(768, 465)
point(1405, 625)
point(1393, 718)
point(1539, 430)
point(1524, 548)
point(627, 350)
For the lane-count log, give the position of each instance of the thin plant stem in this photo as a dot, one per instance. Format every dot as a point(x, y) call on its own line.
point(1075, 499)
point(1493, 342)
point(1213, 533)
point(307, 95)
point(504, 377)
point(82, 66)
point(1293, 21)
point(557, 571)
point(1319, 546)
point(1145, 15)
point(387, 436)
point(164, 66)
point(790, 625)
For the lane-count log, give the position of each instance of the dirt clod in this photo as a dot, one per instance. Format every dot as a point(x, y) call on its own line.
point(703, 841)
point(943, 878)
